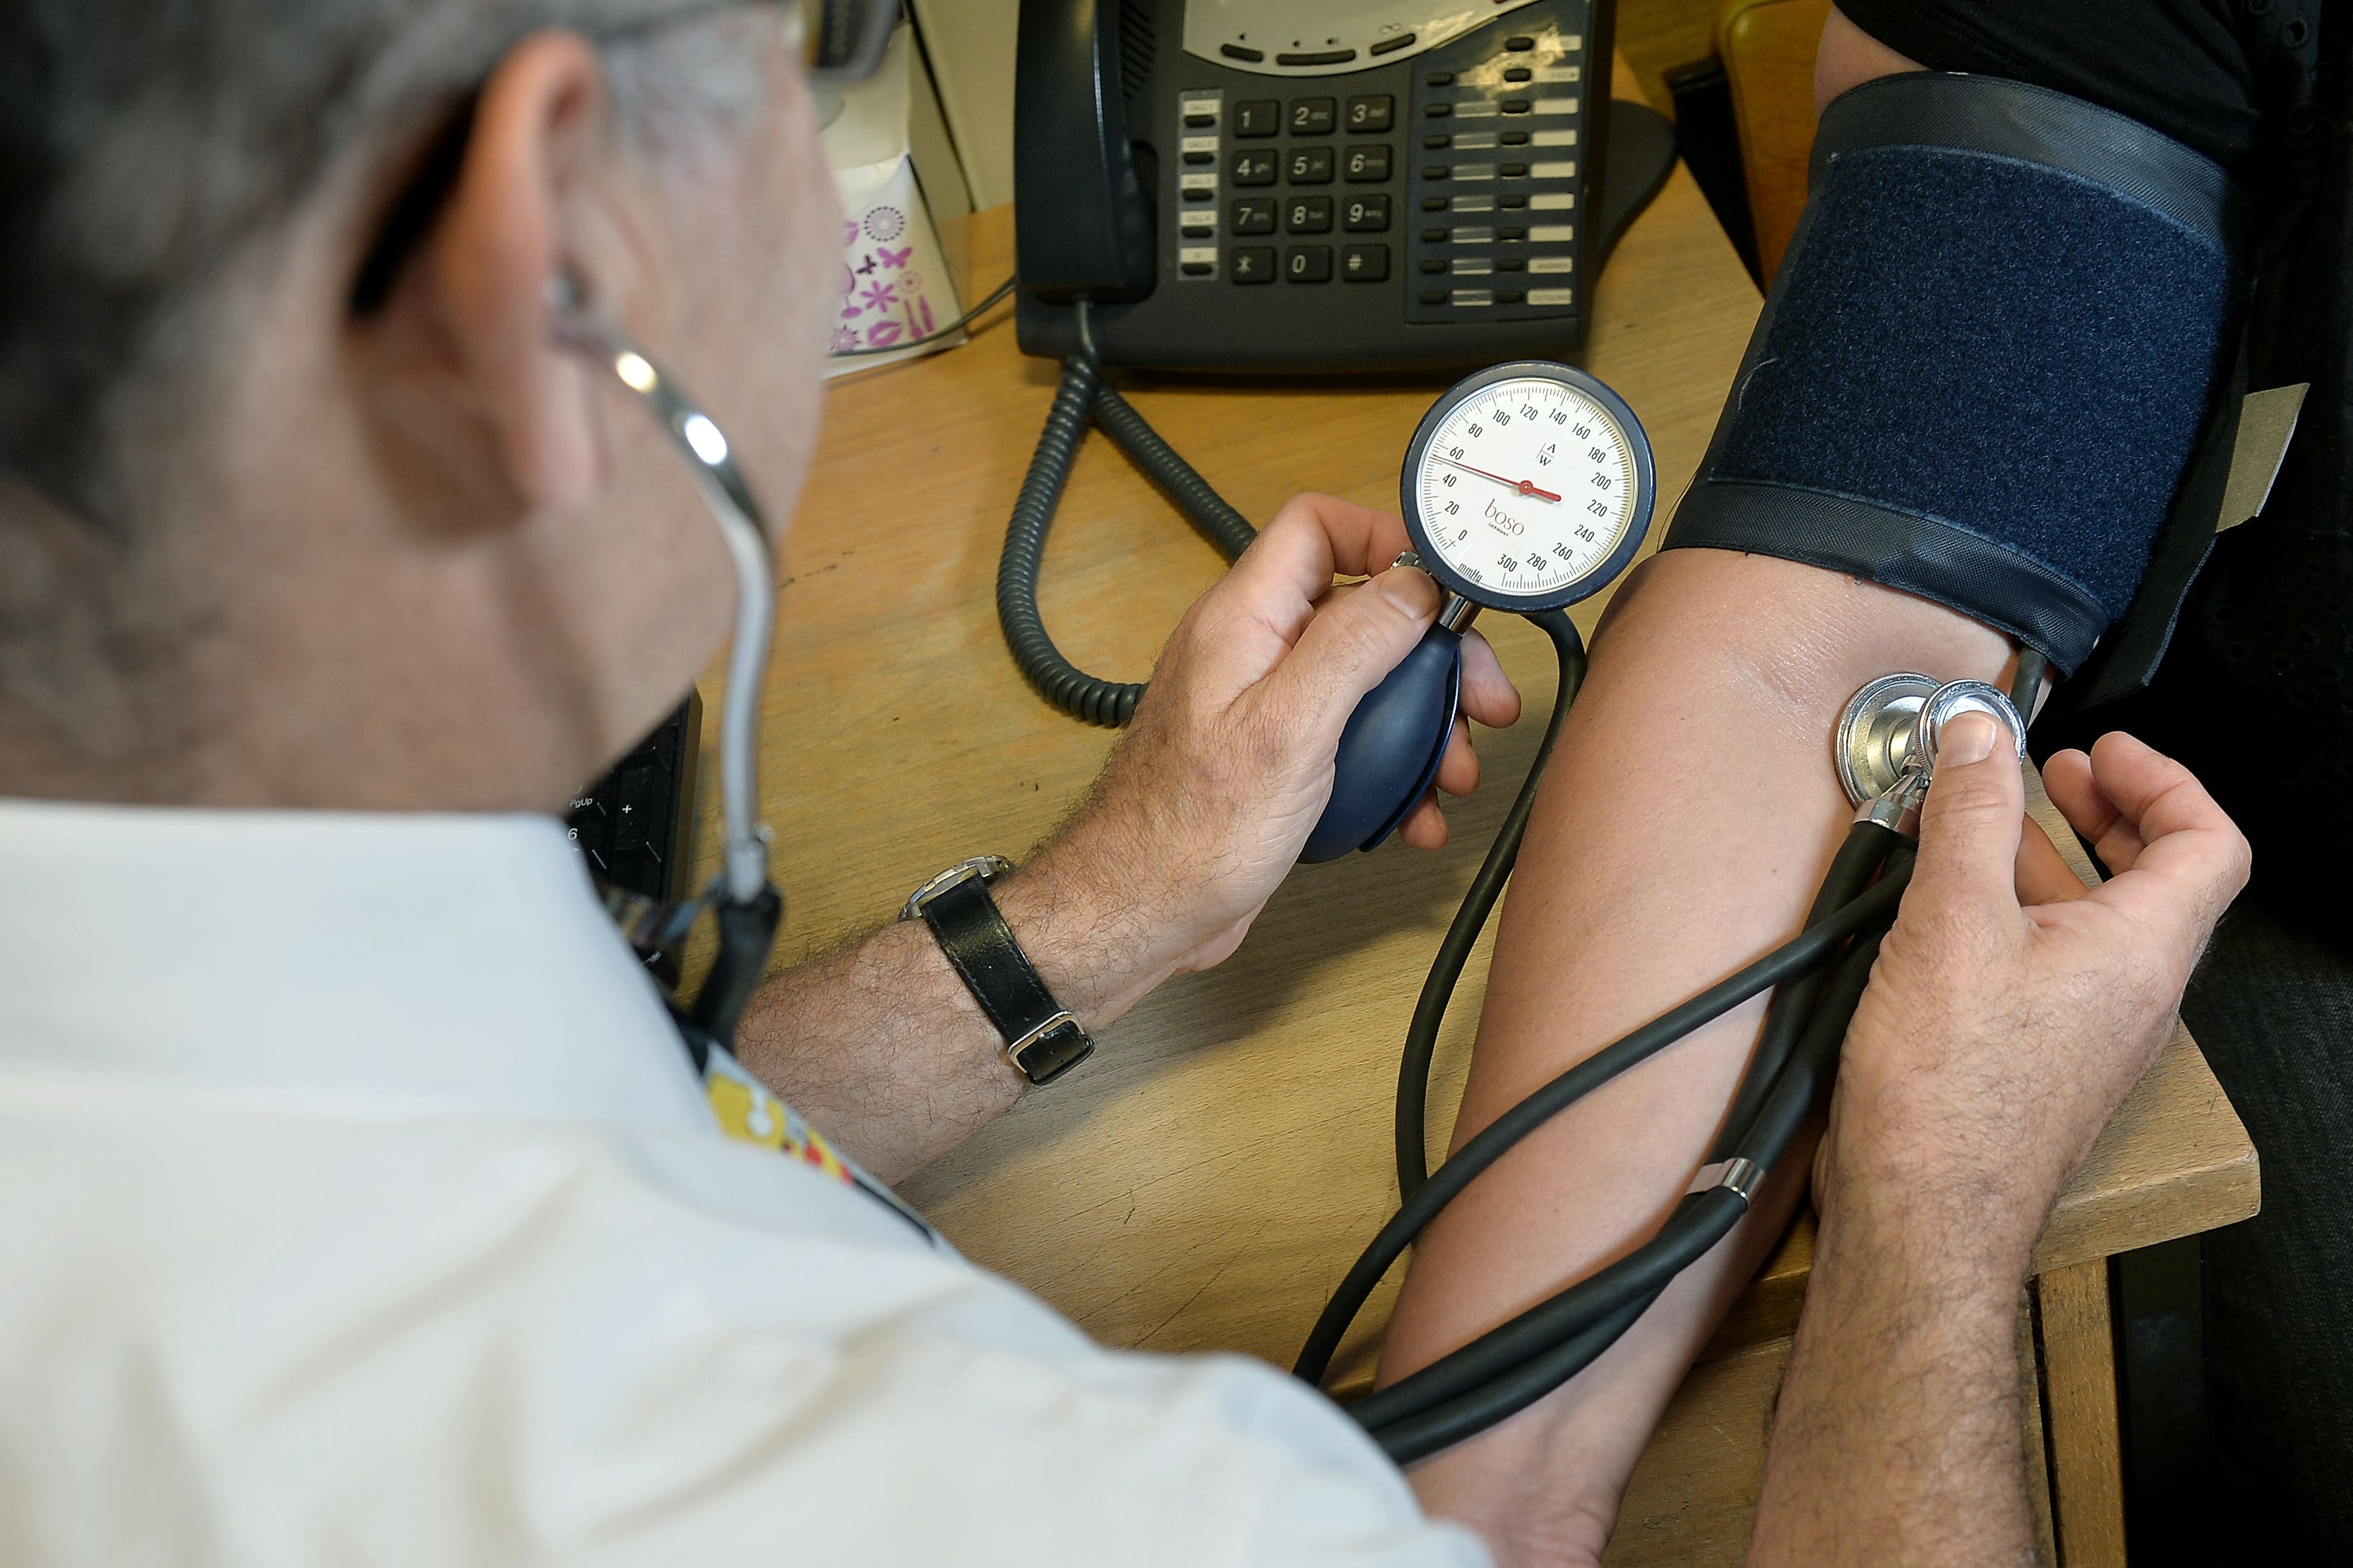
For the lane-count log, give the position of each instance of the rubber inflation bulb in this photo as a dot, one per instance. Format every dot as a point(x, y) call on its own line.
point(1390, 750)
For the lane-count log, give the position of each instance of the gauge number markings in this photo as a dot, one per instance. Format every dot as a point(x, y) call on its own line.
point(1482, 445)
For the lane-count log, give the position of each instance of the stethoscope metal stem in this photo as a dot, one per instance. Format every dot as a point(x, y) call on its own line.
point(710, 461)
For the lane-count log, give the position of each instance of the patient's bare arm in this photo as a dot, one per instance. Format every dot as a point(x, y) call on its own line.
point(1686, 825)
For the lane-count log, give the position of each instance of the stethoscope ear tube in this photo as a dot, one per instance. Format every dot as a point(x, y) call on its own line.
point(748, 907)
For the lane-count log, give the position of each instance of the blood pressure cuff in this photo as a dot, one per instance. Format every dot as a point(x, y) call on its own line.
point(1985, 362)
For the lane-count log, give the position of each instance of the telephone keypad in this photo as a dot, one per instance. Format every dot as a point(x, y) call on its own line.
point(1374, 112)
point(1366, 214)
point(1254, 168)
point(1367, 165)
point(1307, 167)
point(1253, 263)
point(1254, 215)
point(1313, 116)
point(1259, 117)
point(1365, 263)
point(1308, 264)
point(1308, 215)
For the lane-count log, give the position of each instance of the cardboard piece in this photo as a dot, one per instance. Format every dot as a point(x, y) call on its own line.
point(2266, 425)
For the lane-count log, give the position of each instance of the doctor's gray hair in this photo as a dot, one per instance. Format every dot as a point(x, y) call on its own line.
point(143, 144)
point(149, 152)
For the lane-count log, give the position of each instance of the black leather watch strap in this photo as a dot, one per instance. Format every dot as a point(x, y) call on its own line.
point(1041, 1039)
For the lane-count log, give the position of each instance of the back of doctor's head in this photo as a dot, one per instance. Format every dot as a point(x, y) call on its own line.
point(158, 159)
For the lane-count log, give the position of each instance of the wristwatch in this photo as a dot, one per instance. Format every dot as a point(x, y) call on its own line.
point(1042, 1040)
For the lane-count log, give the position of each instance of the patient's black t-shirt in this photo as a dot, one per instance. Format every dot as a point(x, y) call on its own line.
point(2256, 690)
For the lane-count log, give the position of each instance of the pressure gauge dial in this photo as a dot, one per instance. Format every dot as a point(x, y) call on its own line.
point(1528, 487)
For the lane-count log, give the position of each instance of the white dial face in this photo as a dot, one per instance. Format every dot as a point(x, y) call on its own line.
point(1527, 486)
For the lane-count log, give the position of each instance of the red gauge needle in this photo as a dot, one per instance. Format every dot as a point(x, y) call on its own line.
point(1525, 487)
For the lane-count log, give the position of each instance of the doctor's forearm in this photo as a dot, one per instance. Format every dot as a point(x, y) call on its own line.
point(884, 1049)
point(1683, 831)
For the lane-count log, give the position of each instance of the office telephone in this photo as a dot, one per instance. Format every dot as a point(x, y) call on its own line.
point(1320, 185)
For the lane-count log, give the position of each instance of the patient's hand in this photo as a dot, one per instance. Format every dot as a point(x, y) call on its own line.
point(2012, 1007)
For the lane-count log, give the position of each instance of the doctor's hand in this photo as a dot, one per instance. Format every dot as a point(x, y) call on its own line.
point(2012, 1007)
point(1227, 767)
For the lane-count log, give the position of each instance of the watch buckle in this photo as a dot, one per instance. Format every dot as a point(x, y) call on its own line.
point(1016, 1049)
point(987, 867)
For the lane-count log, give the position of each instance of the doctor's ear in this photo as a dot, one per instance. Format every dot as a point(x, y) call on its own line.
point(500, 225)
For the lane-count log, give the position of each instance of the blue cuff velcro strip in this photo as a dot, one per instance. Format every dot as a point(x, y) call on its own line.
point(1986, 359)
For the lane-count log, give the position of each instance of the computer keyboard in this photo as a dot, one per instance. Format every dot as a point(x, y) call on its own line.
point(635, 825)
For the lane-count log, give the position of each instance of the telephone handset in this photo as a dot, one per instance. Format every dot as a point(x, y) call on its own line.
point(1317, 185)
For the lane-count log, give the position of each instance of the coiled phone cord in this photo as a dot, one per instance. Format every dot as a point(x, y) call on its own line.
point(1083, 396)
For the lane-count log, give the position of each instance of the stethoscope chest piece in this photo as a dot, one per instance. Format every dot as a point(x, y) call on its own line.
point(1892, 727)
point(1873, 739)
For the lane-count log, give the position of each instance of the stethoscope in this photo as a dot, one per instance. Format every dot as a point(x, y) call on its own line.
point(742, 897)
point(1525, 489)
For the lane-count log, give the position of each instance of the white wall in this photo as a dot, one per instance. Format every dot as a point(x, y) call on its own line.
point(970, 46)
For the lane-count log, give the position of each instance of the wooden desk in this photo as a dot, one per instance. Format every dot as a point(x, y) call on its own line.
point(1203, 1184)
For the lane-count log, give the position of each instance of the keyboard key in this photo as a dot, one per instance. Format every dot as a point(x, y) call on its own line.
point(1254, 215)
point(1313, 116)
point(1254, 168)
point(1366, 214)
point(1374, 112)
point(1259, 117)
point(1307, 167)
point(1308, 215)
point(1367, 164)
point(1365, 263)
point(1308, 264)
point(1251, 263)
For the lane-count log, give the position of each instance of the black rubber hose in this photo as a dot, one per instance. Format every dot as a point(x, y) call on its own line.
point(1421, 1434)
point(1437, 990)
point(2026, 682)
point(1803, 952)
point(1698, 1222)
point(1084, 394)
point(1510, 1367)
point(1859, 858)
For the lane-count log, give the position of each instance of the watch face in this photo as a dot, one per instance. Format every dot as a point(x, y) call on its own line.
point(1528, 487)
